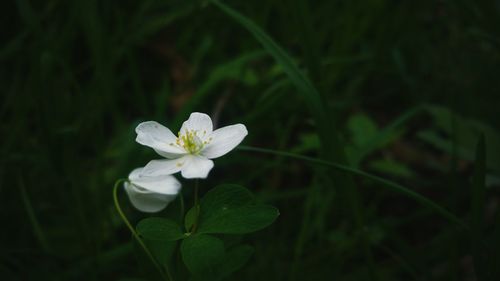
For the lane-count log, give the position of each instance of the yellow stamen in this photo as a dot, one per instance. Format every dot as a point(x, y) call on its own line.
point(191, 142)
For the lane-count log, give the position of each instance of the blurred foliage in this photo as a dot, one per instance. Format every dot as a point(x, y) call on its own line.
point(409, 86)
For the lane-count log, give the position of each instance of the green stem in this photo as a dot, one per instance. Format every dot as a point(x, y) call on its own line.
point(196, 205)
point(196, 192)
point(37, 229)
point(181, 197)
point(136, 236)
point(389, 184)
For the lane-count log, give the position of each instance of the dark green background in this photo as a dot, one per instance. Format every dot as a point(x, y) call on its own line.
point(76, 77)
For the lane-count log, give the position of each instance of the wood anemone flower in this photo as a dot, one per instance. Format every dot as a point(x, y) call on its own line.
point(191, 151)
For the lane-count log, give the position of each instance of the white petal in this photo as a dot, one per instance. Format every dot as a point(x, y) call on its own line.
point(199, 122)
point(224, 140)
point(160, 138)
point(163, 184)
point(196, 167)
point(164, 167)
point(166, 184)
point(146, 201)
point(135, 174)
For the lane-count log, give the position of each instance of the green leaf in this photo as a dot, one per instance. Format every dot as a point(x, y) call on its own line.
point(308, 142)
point(201, 254)
point(239, 220)
point(461, 132)
point(161, 252)
point(159, 229)
point(206, 259)
point(236, 258)
point(362, 129)
point(368, 142)
point(226, 196)
point(231, 209)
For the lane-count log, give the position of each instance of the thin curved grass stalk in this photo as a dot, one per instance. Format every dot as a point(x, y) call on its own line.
point(165, 275)
point(387, 183)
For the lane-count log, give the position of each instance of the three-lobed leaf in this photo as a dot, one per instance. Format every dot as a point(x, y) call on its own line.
point(226, 209)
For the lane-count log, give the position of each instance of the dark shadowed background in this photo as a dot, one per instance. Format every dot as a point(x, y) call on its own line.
point(407, 88)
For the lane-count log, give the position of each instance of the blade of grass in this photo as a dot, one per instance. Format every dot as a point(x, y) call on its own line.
point(229, 70)
point(299, 9)
point(37, 229)
point(453, 243)
point(306, 89)
point(375, 141)
point(386, 183)
point(477, 207)
point(478, 189)
point(268, 100)
point(318, 108)
point(29, 17)
point(303, 231)
point(308, 38)
point(402, 262)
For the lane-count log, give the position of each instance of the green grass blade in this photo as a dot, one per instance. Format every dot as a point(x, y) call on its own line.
point(304, 86)
point(477, 210)
point(308, 39)
point(35, 224)
point(386, 183)
point(228, 70)
point(478, 189)
point(317, 106)
point(373, 143)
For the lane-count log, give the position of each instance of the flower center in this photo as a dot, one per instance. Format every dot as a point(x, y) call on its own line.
point(191, 142)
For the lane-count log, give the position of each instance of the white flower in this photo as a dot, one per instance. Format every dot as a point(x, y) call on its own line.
point(151, 194)
point(190, 152)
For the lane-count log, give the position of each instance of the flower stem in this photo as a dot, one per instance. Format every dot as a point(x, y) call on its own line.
point(196, 205)
point(181, 198)
point(134, 233)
